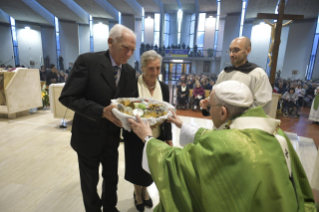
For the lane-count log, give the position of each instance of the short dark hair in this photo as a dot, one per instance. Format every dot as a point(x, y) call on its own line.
point(52, 66)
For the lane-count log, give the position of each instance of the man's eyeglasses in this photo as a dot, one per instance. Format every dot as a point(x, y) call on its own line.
point(234, 51)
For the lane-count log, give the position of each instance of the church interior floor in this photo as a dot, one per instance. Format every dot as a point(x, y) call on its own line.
point(39, 169)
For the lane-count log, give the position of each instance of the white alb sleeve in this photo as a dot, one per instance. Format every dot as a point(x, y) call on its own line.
point(187, 134)
point(145, 160)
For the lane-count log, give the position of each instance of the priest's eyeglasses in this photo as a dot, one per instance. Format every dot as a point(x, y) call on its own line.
point(234, 51)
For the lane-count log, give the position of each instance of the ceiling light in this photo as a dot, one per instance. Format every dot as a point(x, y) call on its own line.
point(27, 27)
point(210, 16)
point(149, 17)
point(100, 22)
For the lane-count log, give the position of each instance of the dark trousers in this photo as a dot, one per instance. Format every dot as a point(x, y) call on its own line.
point(89, 176)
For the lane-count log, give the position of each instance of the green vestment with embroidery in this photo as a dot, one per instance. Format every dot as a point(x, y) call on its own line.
point(229, 170)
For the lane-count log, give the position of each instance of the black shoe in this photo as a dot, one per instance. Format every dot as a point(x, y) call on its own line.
point(139, 207)
point(148, 203)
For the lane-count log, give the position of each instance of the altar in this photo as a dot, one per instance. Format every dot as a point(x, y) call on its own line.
point(20, 91)
point(58, 110)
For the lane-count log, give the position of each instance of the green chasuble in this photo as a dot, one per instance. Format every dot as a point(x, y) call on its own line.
point(316, 102)
point(229, 170)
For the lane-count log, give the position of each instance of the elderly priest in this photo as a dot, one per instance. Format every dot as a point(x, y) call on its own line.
point(246, 164)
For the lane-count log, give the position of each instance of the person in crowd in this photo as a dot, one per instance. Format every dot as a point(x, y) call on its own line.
point(182, 95)
point(281, 88)
point(249, 73)
point(42, 74)
point(190, 84)
point(310, 93)
point(290, 99)
point(94, 80)
point(198, 95)
point(147, 86)
point(314, 112)
point(53, 76)
point(244, 164)
point(301, 92)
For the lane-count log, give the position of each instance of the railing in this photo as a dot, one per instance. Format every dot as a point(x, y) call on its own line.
point(186, 52)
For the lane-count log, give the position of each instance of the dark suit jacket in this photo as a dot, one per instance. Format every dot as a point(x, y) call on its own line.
point(166, 128)
point(89, 88)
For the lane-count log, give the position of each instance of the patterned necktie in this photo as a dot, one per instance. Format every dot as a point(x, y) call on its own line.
point(116, 68)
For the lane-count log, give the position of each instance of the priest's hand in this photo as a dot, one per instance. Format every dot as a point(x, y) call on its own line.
point(204, 103)
point(175, 120)
point(140, 128)
point(169, 142)
point(107, 113)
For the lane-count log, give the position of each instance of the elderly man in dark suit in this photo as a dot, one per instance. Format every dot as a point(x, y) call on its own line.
point(95, 79)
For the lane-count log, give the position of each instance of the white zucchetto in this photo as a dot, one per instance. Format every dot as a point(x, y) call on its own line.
point(234, 93)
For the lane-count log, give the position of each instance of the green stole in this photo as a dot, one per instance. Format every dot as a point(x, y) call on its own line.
point(229, 170)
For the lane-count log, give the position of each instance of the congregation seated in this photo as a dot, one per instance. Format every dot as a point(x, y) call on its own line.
point(198, 94)
point(289, 103)
point(182, 95)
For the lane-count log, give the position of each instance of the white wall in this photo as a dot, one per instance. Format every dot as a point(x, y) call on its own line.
point(149, 31)
point(100, 35)
point(69, 42)
point(6, 53)
point(49, 44)
point(84, 38)
point(282, 48)
point(231, 31)
point(209, 37)
point(260, 40)
point(29, 45)
point(298, 49)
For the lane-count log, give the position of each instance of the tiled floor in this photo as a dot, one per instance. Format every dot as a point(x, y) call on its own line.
point(39, 170)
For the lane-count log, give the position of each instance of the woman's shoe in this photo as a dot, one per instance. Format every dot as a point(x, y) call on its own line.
point(139, 207)
point(148, 203)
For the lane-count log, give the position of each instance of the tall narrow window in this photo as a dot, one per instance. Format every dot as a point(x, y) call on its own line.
point(242, 18)
point(57, 38)
point(217, 27)
point(201, 31)
point(312, 60)
point(143, 25)
point(179, 25)
point(192, 30)
point(14, 41)
point(157, 23)
point(120, 18)
point(167, 29)
point(91, 34)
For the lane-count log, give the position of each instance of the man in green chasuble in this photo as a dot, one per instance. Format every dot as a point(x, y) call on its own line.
point(246, 163)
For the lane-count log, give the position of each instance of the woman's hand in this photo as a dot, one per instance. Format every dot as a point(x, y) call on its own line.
point(140, 128)
point(175, 120)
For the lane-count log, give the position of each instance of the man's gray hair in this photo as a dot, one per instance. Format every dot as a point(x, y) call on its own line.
point(231, 109)
point(116, 32)
point(150, 55)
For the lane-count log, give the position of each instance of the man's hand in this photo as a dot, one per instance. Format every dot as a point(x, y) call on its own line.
point(204, 103)
point(139, 128)
point(107, 113)
point(175, 120)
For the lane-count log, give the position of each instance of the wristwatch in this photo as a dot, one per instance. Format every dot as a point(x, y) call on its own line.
point(148, 137)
